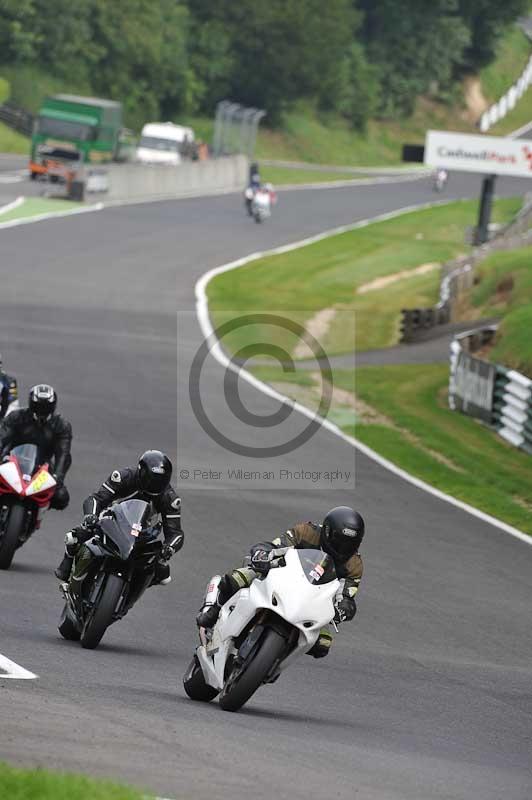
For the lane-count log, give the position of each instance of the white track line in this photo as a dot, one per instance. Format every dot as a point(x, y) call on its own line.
point(13, 223)
point(14, 671)
point(10, 206)
point(202, 311)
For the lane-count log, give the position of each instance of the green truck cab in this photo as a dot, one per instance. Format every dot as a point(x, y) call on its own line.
point(89, 125)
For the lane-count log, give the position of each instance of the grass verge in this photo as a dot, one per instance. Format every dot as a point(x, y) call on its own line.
point(280, 175)
point(331, 274)
point(13, 142)
point(402, 413)
point(40, 784)
point(33, 206)
point(504, 289)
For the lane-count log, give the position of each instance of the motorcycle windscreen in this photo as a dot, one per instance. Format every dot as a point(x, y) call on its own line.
point(27, 456)
point(318, 566)
point(124, 522)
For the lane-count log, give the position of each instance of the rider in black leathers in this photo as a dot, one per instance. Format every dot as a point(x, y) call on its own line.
point(8, 390)
point(149, 481)
point(39, 425)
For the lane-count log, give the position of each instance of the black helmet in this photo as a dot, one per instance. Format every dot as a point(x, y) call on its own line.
point(42, 401)
point(342, 532)
point(154, 472)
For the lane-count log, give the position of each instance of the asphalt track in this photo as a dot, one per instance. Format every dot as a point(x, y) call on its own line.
point(426, 695)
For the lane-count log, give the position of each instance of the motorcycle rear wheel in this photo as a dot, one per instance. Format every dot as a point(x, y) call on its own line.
point(195, 685)
point(102, 615)
point(14, 527)
point(271, 649)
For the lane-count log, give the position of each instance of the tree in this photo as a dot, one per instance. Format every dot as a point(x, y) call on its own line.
point(412, 44)
point(487, 20)
point(19, 39)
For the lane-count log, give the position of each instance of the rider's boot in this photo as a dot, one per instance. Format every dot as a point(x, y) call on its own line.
point(210, 610)
point(161, 576)
point(64, 569)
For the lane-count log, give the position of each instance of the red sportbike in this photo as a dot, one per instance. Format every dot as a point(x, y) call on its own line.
point(26, 490)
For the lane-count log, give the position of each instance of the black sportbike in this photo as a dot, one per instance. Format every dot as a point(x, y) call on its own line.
point(111, 572)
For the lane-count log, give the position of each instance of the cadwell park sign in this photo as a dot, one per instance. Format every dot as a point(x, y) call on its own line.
point(491, 155)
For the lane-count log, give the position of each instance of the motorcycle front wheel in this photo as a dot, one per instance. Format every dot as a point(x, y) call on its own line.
point(14, 527)
point(236, 692)
point(102, 615)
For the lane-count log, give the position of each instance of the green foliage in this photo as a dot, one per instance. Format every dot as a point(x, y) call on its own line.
point(513, 346)
point(5, 90)
point(176, 58)
point(487, 21)
point(413, 45)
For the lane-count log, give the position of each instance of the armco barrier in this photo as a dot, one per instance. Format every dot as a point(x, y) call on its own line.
point(500, 109)
point(17, 118)
point(512, 408)
point(498, 396)
point(139, 182)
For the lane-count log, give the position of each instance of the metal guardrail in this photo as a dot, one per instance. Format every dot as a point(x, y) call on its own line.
point(498, 396)
point(17, 118)
point(235, 129)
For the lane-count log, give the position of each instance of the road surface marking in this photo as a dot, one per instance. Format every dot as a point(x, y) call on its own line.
point(13, 223)
point(14, 671)
point(10, 206)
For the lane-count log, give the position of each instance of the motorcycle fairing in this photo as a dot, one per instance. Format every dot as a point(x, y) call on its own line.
point(287, 593)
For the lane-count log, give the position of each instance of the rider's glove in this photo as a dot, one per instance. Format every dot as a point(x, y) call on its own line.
point(346, 608)
point(167, 551)
point(260, 561)
point(5, 458)
point(89, 521)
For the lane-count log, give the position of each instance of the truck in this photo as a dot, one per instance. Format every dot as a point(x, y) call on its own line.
point(89, 125)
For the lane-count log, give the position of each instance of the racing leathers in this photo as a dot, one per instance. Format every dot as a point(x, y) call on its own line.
point(53, 439)
point(8, 392)
point(303, 535)
point(123, 484)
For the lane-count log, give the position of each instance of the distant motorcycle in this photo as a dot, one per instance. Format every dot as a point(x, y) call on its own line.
point(111, 571)
point(26, 490)
point(440, 180)
point(261, 205)
point(262, 630)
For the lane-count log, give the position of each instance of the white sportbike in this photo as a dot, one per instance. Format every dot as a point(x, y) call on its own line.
point(262, 630)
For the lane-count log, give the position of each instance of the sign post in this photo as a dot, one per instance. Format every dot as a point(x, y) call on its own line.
point(484, 210)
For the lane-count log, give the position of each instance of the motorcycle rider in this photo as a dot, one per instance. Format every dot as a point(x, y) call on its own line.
point(8, 390)
point(39, 424)
point(148, 481)
point(340, 535)
point(253, 186)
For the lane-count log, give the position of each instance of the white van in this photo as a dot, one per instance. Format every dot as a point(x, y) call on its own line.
point(161, 143)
